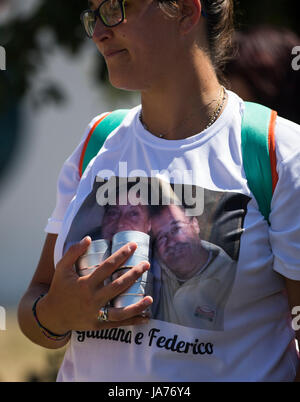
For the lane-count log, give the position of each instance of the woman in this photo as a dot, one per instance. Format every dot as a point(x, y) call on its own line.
point(186, 130)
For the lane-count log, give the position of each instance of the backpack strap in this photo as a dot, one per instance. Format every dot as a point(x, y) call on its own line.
point(98, 134)
point(259, 156)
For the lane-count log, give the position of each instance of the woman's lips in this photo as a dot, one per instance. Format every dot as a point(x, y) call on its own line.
point(112, 53)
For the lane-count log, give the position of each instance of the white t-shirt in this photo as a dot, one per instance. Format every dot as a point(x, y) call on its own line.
point(256, 339)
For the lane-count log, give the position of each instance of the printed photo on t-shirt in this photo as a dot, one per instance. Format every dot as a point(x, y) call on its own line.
point(190, 236)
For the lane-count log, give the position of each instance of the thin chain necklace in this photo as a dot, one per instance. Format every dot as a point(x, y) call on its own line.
point(214, 116)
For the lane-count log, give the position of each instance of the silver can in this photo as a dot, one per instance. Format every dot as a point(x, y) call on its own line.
point(98, 251)
point(143, 285)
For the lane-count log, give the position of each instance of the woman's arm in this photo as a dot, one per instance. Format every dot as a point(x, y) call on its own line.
point(40, 284)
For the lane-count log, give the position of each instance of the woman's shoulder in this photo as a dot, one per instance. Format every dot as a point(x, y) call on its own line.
point(287, 132)
point(92, 123)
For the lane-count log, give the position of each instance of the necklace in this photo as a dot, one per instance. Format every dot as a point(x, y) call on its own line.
point(213, 118)
point(145, 126)
point(218, 109)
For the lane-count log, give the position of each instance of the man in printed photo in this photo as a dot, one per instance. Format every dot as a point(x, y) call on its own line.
point(197, 276)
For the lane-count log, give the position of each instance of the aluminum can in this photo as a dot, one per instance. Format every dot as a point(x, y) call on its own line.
point(98, 251)
point(143, 285)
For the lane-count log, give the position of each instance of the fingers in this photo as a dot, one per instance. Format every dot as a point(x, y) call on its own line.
point(125, 313)
point(107, 267)
point(75, 251)
point(119, 285)
point(116, 324)
point(130, 315)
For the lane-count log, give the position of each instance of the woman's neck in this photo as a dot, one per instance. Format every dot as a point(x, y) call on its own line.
point(184, 101)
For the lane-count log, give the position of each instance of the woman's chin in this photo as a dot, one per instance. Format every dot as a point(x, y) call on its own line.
point(123, 83)
point(122, 78)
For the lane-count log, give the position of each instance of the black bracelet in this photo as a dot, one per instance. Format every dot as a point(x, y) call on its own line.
point(49, 334)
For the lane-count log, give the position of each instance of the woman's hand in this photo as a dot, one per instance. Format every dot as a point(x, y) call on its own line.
point(73, 302)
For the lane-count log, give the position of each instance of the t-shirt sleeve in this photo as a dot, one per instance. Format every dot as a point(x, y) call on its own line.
point(67, 183)
point(285, 208)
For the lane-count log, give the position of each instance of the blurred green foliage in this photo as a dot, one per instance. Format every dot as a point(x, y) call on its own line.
point(26, 53)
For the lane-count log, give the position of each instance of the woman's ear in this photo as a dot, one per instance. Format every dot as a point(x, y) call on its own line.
point(190, 14)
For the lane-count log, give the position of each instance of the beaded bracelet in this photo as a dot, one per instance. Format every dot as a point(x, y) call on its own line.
point(49, 334)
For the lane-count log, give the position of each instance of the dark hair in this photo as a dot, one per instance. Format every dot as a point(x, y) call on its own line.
point(219, 16)
point(264, 62)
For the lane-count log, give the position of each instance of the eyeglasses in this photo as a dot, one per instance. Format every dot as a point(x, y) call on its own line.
point(110, 12)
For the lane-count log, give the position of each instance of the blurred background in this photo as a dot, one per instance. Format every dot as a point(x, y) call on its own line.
point(54, 83)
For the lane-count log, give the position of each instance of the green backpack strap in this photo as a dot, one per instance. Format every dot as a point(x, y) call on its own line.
point(258, 151)
point(98, 134)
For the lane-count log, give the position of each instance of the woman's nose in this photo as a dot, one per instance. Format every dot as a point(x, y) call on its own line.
point(101, 32)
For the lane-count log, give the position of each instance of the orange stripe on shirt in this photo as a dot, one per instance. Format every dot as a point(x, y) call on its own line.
point(87, 141)
point(272, 150)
